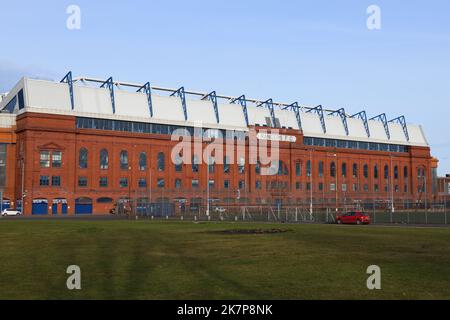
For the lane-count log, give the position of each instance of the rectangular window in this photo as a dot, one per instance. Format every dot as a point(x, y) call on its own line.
point(298, 185)
point(45, 159)
point(344, 187)
point(332, 187)
point(142, 183)
point(258, 185)
point(320, 186)
point(226, 184)
point(308, 186)
point(212, 183)
point(56, 181)
point(195, 183)
point(44, 181)
point(241, 184)
point(103, 182)
point(82, 181)
point(177, 184)
point(123, 182)
point(161, 183)
point(56, 159)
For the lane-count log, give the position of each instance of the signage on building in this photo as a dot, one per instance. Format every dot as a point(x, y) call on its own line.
point(448, 188)
point(276, 137)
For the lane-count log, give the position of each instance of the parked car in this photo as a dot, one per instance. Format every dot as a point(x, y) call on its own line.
point(355, 217)
point(11, 212)
point(220, 209)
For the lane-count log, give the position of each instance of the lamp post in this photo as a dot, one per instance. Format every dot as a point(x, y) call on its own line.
point(311, 182)
point(392, 186)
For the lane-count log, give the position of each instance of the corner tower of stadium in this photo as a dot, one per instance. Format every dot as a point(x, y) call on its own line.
point(83, 145)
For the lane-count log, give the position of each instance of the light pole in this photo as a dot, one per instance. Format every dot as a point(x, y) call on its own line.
point(392, 186)
point(311, 184)
point(207, 188)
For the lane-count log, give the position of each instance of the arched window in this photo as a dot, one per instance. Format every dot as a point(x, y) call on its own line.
point(195, 163)
point(321, 169)
point(386, 172)
point(375, 171)
point(344, 170)
point(161, 161)
point(143, 161)
point(124, 160)
point(396, 172)
point(405, 172)
point(258, 167)
point(366, 171)
point(332, 169)
point(308, 168)
point(355, 170)
point(298, 168)
point(178, 163)
point(282, 169)
point(104, 160)
point(83, 158)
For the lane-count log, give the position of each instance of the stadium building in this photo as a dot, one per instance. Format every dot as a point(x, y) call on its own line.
point(82, 145)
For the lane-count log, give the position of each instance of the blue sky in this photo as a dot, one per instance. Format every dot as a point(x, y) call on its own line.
point(314, 52)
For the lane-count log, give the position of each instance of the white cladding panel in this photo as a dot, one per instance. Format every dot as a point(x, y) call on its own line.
point(335, 126)
point(287, 118)
point(377, 131)
point(416, 135)
point(7, 120)
point(38, 93)
point(131, 104)
point(311, 124)
point(232, 115)
point(167, 108)
point(396, 132)
point(201, 111)
point(356, 129)
point(92, 100)
point(257, 115)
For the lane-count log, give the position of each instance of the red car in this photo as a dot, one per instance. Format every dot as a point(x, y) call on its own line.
point(355, 217)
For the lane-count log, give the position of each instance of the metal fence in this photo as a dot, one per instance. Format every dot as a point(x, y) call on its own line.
point(436, 215)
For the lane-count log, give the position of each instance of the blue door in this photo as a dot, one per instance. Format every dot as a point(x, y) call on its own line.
point(64, 208)
point(83, 206)
point(40, 208)
point(55, 209)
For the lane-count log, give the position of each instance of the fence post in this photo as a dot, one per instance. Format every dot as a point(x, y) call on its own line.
point(391, 218)
point(426, 217)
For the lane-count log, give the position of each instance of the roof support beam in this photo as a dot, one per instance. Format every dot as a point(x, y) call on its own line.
point(110, 84)
point(402, 121)
point(148, 91)
point(319, 111)
point(382, 117)
point(363, 116)
point(69, 80)
point(243, 103)
point(213, 98)
point(341, 113)
point(269, 105)
point(296, 108)
point(182, 95)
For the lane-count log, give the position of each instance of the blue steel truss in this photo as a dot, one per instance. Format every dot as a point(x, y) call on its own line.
point(148, 91)
point(319, 111)
point(402, 121)
point(341, 113)
point(382, 117)
point(213, 98)
point(296, 108)
point(182, 95)
point(243, 103)
point(68, 79)
point(110, 84)
point(363, 116)
point(269, 105)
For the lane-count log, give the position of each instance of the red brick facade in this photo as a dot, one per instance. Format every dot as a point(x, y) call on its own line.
point(37, 132)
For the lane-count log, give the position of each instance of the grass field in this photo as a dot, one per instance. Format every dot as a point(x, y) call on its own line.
point(174, 260)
